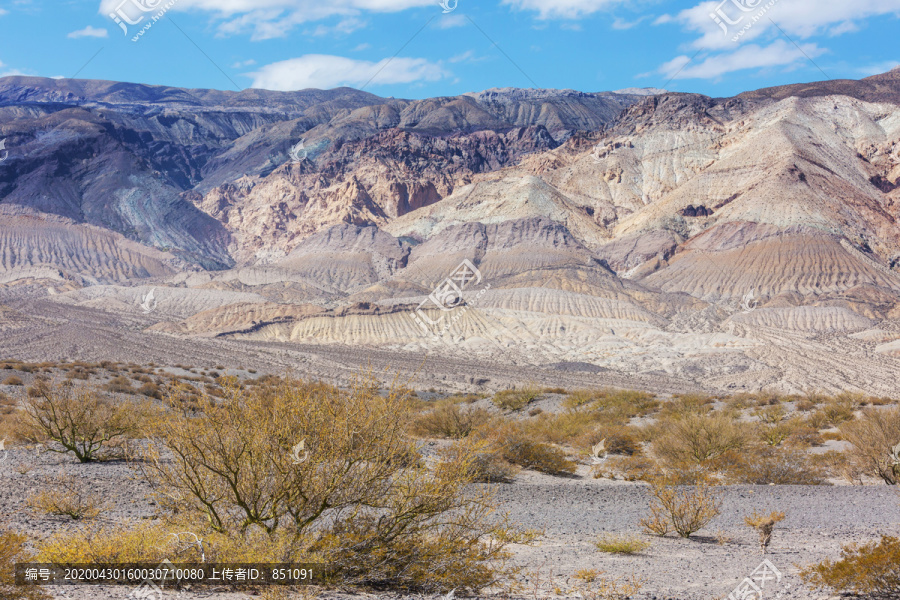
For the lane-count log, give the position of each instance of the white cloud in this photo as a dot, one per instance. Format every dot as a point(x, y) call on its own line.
point(89, 31)
point(738, 40)
point(798, 18)
point(363, 46)
point(622, 24)
point(748, 56)
point(266, 19)
point(326, 71)
point(878, 68)
point(562, 9)
point(343, 27)
point(241, 64)
point(450, 21)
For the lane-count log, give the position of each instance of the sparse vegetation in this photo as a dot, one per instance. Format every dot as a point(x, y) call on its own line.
point(516, 399)
point(869, 570)
point(450, 420)
point(13, 380)
point(12, 551)
point(67, 497)
point(427, 530)
point(764, 526)
point(683, 509)
point(621, 544)
point(79, 420)
point(873, 437)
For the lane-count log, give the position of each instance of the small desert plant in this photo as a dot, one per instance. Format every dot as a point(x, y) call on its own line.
point(12, 551)
point(516, 399)
point(450, 420)
point(587, 575)
point(870, 570)
point(874, 435)
point(621, 544)
point(537, 456)
point(840, 409)
point(119, 385)
point(764, 465)
point(684, 509)
point(13, 380)
point(764, 526)
point(602, 588)
point(697, 438)
point(629, 468)
point(79, 420)
point(67, 497)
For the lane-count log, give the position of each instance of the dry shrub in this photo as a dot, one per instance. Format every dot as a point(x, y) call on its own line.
point(13, 380)
point(873, 436)
point(79, 420)
point(9, 429)
point(840, 409)
point(450, 420)
point(771, 414)
point(683, 509)
point(621, 544)
point(764, 465)
point(119, 385)
point(617, 439)
point(12, 551)
point(563, 428)
point(629, 468)
point(694, 438)
point(515, 444)
point(612, 406)
point(67, 497)
point(870, 570)
point(603, 588)
point(839, 465)
point(764, 526)
point(355, 493)
point(516, 399)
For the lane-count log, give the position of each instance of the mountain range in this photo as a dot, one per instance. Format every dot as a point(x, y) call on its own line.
point(737, 243)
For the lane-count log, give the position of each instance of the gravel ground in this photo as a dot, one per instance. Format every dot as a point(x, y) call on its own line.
point(572, 512)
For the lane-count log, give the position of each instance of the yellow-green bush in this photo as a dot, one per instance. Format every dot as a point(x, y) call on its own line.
point(79, 420)
point(355, 492)
point(873, 436)
point(12, 551)
point(869, 570)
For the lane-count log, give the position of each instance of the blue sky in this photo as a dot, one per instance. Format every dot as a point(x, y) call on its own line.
point(419, 48)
